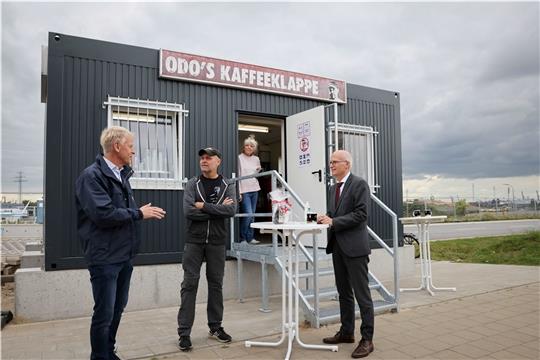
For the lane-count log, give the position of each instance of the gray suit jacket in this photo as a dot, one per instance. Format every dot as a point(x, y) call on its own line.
point(350, 216)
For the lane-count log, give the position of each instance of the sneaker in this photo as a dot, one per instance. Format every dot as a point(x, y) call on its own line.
point(220, 335)
point(254, 242)
point(185, 343)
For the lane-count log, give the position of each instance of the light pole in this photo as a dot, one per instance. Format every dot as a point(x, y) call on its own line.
point(513, 196)
point(495, 199)
point(407, 202)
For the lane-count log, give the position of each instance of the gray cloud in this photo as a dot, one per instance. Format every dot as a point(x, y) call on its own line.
point(467, 73)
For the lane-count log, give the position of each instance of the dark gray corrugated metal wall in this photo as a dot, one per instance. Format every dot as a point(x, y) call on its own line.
point(380, 110)
point(83, 72)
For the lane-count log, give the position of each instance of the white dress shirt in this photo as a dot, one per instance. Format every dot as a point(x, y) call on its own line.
point(115, 169)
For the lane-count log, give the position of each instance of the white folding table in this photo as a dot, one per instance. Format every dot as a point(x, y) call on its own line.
point(422, 226)
point(289, 322)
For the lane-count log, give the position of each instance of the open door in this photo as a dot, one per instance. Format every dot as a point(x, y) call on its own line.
point(306, 163)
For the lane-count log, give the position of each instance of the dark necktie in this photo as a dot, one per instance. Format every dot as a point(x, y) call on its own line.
point(338, 186)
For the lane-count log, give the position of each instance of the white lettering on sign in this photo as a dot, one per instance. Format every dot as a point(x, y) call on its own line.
point(192, 67)
point(210, 71)
point(236, 75)
point(170, 64)
point(198, 68)
point(225, 73)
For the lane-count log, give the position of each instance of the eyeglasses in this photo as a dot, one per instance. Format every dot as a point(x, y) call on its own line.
point(336, 161)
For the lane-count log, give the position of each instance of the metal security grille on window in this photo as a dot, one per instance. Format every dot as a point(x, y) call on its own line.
point(360, 142)
point(153, 158)
point(157, 133)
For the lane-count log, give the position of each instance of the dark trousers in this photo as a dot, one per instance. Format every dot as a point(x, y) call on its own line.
point(352, 281)
point(110, 288)
point(193, 257)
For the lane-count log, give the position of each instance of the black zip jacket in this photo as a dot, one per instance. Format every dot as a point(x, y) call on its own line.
point(107, 216)
point(209, 225)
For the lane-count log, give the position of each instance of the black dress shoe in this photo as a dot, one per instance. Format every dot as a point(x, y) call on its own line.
point(339, 338)
point(364, 348)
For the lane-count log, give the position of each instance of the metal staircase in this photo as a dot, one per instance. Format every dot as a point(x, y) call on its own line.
point(317, 292)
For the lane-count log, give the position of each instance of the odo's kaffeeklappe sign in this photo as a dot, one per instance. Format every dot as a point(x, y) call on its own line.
point(182, 66)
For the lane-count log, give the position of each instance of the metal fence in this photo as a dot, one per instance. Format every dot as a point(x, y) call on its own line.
point(461, 207)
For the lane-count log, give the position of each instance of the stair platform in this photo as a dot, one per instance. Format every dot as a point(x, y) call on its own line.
point(254, 253)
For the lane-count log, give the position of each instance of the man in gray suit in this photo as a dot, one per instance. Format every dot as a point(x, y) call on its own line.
point(348, 242)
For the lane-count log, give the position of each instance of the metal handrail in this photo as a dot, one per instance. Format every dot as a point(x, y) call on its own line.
point(395, 245)
point(253, 215)
point(380, 241)
point(313, 259)
point(276, 176)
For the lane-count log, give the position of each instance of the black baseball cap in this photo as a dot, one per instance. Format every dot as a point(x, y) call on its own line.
point(211, 151)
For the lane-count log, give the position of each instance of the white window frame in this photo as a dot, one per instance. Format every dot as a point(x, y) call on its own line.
point(177, 114)
point(371, 134)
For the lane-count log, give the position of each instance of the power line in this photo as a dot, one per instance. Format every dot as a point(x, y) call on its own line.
point(20, 179)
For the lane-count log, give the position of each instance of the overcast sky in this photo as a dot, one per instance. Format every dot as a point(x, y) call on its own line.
point(468, 74)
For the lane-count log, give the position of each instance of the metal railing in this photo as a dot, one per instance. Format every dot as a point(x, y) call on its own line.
point(395, 246)
point(312, 258)
point(276, 177)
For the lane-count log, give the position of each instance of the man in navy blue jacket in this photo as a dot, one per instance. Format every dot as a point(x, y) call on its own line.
point(107, 223)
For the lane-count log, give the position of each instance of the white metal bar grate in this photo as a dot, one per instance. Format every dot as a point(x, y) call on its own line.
point(360, 142)
point(157, 140)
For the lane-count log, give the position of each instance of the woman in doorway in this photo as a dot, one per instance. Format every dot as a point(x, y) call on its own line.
point(248, 164)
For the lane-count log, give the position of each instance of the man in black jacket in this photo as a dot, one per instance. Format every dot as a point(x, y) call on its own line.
point(348, 242)
point(208, 205)
point(107, 221)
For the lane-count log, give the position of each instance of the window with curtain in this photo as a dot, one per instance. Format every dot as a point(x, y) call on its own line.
point(360, 142)
point(157, 129)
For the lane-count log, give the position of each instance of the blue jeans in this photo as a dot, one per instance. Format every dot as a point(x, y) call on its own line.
point(110, 288)
point(247, 206)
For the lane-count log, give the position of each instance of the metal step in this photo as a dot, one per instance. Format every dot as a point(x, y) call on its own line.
point(254, 252)
point(322, 272)
point(328, 292)
point(331, 315)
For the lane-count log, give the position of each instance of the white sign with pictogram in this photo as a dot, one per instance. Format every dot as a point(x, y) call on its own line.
point(303, 133)
point(306, 161)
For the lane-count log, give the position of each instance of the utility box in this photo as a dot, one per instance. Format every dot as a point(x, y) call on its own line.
point(40, 211)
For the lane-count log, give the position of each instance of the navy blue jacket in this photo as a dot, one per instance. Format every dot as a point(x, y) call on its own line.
point(107, 216)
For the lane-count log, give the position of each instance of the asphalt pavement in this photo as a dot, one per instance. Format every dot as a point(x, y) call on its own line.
point(445, 231)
